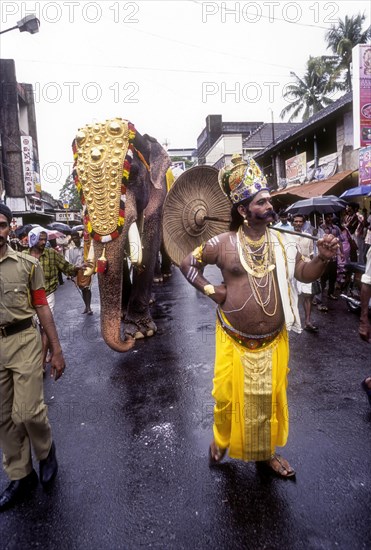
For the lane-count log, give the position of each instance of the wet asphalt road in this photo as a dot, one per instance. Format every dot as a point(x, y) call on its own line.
point(132, 433)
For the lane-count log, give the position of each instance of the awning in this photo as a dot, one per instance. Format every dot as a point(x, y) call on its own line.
point(314, 189)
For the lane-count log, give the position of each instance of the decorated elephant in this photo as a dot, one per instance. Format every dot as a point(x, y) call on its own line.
point(121, 178)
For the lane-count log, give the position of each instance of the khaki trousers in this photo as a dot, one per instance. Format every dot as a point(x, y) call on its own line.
point(23, 413)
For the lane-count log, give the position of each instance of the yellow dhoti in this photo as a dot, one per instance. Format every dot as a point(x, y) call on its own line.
point(249, 388)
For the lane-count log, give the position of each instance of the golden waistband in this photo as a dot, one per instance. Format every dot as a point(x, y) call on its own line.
point(249, 341)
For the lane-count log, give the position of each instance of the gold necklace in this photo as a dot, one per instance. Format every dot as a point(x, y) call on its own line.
point(251, 242)
point(258, 298)
point(255, 263)
point(259, 265)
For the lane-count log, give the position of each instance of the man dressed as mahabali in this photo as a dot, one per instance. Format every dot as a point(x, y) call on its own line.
point(257, 306)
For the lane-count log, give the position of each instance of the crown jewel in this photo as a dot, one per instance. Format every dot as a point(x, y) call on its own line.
point(241, 179)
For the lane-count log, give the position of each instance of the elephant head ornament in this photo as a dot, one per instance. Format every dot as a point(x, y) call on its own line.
point(121, 178)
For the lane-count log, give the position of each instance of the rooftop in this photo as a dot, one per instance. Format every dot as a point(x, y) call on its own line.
point(312, 121)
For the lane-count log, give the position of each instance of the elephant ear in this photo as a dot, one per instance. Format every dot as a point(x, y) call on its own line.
point(159, 162)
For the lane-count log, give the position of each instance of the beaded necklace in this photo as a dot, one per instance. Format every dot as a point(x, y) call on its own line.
point(259, 265)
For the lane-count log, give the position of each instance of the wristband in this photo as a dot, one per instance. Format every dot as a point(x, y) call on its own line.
point(209, 290)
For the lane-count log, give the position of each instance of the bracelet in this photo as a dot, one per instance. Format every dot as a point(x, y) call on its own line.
point(324, 260)
point(209, 290)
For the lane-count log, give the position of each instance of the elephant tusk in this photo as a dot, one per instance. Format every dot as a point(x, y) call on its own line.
point(135, 245)
point(88, 272)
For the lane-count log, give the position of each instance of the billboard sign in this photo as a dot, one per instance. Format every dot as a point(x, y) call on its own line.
point(365, 166)
point(27, 165)
point(362, 95)
point(296, 168)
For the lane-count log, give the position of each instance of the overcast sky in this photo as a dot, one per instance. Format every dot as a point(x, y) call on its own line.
point(164, 65)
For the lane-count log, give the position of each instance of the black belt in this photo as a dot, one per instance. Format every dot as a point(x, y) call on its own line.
point(13, 328)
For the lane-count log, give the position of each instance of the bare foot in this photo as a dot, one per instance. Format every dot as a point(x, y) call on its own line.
point(216, 454)
point(280, 466)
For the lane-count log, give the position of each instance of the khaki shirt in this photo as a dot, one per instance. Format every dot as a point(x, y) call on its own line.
point(19, 274)
point(305, 246)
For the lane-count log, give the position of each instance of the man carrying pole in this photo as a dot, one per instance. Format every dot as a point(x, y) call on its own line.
point(257, 305)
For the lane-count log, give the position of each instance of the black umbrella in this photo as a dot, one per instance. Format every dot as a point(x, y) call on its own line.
point(59, 226)
point(322, 205)
point(24, 230)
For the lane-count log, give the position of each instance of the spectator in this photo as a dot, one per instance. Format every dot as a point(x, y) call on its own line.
point(51, 262)
point(284, 221)
point(364, 325)
point(75, 256)
point(355, 223)
point(306, 290)
point(330, 273)
point(368, 234)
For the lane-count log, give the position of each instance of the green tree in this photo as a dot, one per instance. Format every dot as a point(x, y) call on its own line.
point(310, 94)
point(69, 193)
point(341, 39)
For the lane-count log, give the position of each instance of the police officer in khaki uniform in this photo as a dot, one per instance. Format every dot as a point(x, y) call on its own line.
point(23, 413)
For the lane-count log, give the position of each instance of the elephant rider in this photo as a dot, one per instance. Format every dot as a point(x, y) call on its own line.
point(257, 305)
point(52, 263)
point(23, 419)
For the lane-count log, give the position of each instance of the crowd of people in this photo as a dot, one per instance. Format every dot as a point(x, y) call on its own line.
point(353, 230)
point(58, 255)
point(264, 271)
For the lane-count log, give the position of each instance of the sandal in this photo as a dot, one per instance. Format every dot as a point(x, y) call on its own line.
point(322, 308)
point(216, 454)
point(280, 472)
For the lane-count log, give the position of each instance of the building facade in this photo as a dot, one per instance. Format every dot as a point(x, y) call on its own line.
point(315, 157)
point(20, 186)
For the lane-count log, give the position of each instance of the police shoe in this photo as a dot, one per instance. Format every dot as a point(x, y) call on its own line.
point(48, 467)
point(17, 490)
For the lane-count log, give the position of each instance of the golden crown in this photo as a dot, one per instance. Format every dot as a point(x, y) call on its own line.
point(241, 179)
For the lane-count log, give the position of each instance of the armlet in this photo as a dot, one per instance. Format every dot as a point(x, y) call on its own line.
point(38, 297)
point(197, 253)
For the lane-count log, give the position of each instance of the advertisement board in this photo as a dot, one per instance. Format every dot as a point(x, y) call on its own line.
point(27, 165)
point(362, 95)
point(365, 166)
point(296, 168)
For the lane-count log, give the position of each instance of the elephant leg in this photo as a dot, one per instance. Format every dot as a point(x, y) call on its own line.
point(141, 328)
point(126, 287)
point(138, 319)
point(165, 262)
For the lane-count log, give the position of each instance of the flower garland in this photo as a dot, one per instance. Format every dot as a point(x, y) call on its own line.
point(125, 177)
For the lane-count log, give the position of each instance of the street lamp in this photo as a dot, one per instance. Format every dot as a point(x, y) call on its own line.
point(30, 24)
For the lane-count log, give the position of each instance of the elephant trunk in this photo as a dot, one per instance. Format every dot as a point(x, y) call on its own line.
point(110, 289)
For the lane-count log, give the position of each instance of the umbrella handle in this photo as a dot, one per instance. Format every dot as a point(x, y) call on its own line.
point(213, 219)
point(306, 235)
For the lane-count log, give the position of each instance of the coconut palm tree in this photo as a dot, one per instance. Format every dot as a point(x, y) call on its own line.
point(310, 94)
point(341, 39)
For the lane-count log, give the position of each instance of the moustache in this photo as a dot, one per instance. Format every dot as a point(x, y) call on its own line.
point(269, 214)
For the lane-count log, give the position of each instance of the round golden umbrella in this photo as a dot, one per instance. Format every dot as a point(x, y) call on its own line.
point(195, 210)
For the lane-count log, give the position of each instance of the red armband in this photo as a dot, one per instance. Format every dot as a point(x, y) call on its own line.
point(39, 297)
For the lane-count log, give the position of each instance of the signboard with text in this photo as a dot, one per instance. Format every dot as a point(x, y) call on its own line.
point(67, 217)
point(27, 165)
point(362, 95)
point(365, 166)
